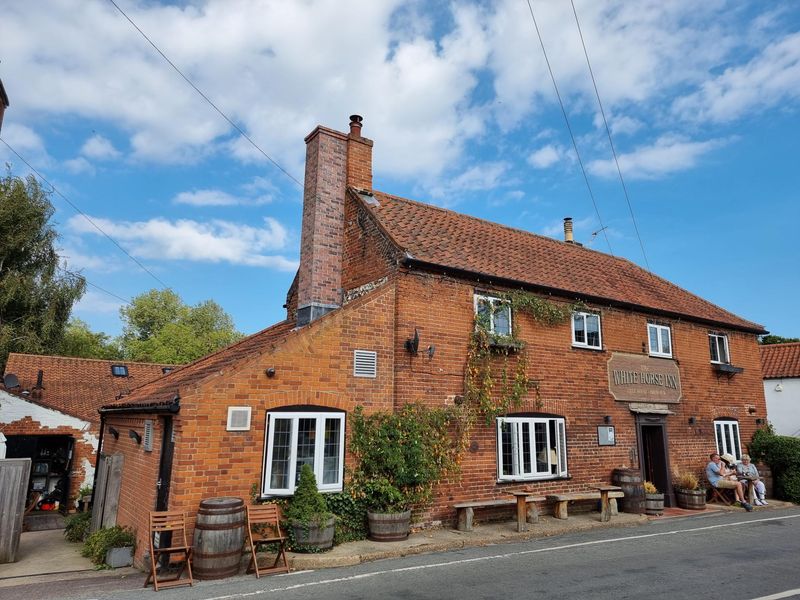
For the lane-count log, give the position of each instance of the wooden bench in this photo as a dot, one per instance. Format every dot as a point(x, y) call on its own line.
point(465, 511)
point(562, 500)
point(526, 508)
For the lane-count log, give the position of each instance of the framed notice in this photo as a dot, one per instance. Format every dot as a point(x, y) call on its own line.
point(605, 436)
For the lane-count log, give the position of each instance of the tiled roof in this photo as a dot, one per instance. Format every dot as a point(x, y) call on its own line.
point(451, 240)
point(78, 386)
point(163, 390)
point(780, 360)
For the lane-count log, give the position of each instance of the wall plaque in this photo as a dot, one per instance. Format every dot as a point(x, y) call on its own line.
point(638, 378)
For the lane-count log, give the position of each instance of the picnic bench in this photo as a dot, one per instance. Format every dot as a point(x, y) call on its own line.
point(604, 494)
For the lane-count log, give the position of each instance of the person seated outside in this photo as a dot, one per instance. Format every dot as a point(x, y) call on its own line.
point(749, 474)
point(721, 477)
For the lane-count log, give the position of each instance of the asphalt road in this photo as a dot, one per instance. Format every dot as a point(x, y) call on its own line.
point(732, 556)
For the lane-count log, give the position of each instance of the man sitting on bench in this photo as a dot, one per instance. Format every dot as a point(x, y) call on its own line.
point(721, 477)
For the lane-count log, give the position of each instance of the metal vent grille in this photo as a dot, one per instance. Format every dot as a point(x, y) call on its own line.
point(238, 418)
point(147, 439)
point(365, 363)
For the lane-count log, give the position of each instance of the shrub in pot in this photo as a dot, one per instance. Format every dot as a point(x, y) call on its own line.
point(313, 525)
point(688, 492)
point(399, 458)
point(110, 547)
point(653, 499)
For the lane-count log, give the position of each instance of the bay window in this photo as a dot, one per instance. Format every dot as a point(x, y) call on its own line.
point(531, 447)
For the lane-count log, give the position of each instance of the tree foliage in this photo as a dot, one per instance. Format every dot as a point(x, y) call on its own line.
point(159, 327)
point(82, 342)
point(775, 339)
point(35, 297)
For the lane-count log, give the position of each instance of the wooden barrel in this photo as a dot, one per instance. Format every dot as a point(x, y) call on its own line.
point(388, 527)
point(218, 538)
point(691, 499)
point(630, 480)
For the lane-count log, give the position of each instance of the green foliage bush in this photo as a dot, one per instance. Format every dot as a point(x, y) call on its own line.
point(400, 455)
point(307, 505)
point(782, 454)
point(99, 542)
point(76, 527)
point(351, 516)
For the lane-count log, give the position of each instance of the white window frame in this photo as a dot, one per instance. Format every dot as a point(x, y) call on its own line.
point(728, 440)
point(319, 449)
point(660, 330)
point(494, 301)
point(518, 472)
point(583, 315)
point(714, 338)
point(243, 409)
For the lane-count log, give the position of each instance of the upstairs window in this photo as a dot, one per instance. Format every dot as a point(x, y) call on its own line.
point(531, 447)
point(586, 330)
point(119, 370)
point(660, 340)
point(298, 438)
point(494, 314)
point(718, 344)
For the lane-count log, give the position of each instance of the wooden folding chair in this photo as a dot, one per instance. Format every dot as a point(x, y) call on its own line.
point(724, 495)
point(170, 526)
point(264, 527)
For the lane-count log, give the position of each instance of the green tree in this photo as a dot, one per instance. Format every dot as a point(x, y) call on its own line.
point(159, 327)
point(82, 342)
point(775, 339)
point(35, 297)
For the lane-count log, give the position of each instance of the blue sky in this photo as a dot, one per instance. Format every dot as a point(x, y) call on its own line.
point(702, 101)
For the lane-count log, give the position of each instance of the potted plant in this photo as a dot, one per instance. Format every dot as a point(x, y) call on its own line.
point(688, 493)
point(84, 497)
point(312, 523)
point(110, 547)
point(399, 457)
point(653, 500)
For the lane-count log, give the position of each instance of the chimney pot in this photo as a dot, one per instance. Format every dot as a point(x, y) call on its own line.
point(568, 230)
point(355, 125)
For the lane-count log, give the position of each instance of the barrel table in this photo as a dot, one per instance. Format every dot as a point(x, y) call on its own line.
point(630, 480)
point(218, 538)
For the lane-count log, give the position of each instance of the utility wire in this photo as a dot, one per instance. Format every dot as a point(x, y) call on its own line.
point(569, 128)
point(608, 133)
point(85, 216)
point(94, 285)
point(206, 98)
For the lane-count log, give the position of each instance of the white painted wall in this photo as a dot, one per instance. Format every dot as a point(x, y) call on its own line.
point(783, 408)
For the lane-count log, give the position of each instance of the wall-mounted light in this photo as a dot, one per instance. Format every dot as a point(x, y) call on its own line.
point(751, 410)
point(134, 436)
point(114, 431)
point(607, 419)
point(431, 351)
point(692, 420)
point(270, 372)
point(412, 343)
point(759, 421)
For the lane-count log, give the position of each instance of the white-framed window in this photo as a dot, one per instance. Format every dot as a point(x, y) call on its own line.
point(726, 432)
point(531, 447)
point(494, 314)
point(718, 345)
point(297, 438)
point(586, 330)
point(660, 338)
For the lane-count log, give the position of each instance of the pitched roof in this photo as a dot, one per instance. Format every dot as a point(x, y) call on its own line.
point(162, 391)
point(780, 360)
point(443, 238)
point(78, 386)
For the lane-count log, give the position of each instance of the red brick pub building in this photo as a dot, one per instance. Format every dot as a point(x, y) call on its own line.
point(644, 375)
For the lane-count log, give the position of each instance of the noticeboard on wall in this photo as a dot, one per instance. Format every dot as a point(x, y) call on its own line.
point(605, 436)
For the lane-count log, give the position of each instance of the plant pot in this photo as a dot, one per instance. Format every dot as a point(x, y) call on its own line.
point(389, 527)
point(654, 504)
point(119, 557)
point(691, 499)
point(311, 537)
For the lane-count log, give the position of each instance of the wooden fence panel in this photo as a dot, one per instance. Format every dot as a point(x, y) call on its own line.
point(14, 475)
point(105, 500)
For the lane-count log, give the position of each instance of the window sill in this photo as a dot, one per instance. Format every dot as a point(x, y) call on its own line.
point(667, 356)
point(533, 480)
point(503, 343)
point(583, 347)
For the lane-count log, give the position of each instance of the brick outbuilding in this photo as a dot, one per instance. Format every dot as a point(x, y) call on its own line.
point(642, 375)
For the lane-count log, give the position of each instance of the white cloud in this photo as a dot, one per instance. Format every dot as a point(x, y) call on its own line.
point(486, 176)
point(546, 156)
point(99, 148)
point(25, 141)
point(216, 241)
point(79, 165)
point(217, 198)
point(769, 79)
point(667, 155)
point(94, 302)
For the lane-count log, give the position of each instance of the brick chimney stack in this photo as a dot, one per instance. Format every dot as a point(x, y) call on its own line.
point(334, 161)
point(4, 104)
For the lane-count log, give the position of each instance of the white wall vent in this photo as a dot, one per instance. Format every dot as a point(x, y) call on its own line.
point(239, 418)
point(365, 363)
point(147, 438)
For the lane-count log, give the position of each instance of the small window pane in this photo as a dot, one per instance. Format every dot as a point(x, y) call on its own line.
point(330, 472)
point(526, 447)
point(580, 333)
point(653, 338)
point(281, 440)
point(723, 349)
point(485, 313)
point(502, 319)
point(666, 345)
point(593, 330)
point(306, 433)
point(507, 448)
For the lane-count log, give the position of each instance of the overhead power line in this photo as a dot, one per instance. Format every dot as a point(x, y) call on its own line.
point(205, 97)
point(608, 133)
point(94, 285)
point(85, 216)
point(569, 128)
